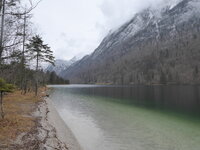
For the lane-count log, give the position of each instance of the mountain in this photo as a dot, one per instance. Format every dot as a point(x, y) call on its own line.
point(157, 46)
point(59, 66)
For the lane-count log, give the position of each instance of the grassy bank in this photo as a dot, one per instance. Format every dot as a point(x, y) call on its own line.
point(18, 116)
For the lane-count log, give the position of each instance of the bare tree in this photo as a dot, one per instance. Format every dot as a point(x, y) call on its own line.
point(12, 16)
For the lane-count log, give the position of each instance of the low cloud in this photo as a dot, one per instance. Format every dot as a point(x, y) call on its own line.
point(74, 27)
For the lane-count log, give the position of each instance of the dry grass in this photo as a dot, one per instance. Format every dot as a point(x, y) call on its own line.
point(18, 115)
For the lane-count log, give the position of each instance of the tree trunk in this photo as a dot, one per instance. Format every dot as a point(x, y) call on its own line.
point(23, 63)
point(36, 82)
point(2, 29)
point(1, 4)
point(1, 103)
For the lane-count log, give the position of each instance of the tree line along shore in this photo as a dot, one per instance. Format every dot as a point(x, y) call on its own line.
point(22, 78)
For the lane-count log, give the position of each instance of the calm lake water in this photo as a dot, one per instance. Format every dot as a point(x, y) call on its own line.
point(131, 117)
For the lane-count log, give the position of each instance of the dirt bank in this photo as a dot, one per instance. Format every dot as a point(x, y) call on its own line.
point(32, 123)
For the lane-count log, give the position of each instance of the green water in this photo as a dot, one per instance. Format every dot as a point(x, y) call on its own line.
point(102, 122)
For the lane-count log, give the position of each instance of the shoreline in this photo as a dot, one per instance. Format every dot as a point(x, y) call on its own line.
point(33, 123)
point(52, 130)
point(63, 132)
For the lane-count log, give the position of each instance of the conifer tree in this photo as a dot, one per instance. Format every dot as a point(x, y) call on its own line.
point(41, 53)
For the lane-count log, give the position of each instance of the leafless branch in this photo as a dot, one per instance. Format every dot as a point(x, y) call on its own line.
point(13, 44)
point(26, 11)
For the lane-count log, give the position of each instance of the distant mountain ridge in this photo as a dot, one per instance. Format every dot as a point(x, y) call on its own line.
point(61, 65)
point(156, 46)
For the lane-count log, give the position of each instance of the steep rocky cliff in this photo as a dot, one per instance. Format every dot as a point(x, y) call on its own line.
point(155, 46)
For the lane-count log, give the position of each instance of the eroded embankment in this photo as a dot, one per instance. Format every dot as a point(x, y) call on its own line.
point(32, 123)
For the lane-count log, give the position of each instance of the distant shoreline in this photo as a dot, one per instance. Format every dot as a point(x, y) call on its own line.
point(153, 84)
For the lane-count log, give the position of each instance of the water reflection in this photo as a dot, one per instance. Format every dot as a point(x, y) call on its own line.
point(172, 97)
point(108, 117)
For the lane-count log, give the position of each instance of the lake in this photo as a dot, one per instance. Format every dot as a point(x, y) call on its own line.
point(131, 117)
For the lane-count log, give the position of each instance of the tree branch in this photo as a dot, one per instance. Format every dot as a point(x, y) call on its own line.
point(12, 45)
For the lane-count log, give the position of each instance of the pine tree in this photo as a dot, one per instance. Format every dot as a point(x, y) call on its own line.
point(41, 53)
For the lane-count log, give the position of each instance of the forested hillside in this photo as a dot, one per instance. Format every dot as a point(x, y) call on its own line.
point(157, 46)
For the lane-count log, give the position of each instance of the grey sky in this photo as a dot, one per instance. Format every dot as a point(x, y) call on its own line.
point(76, 27)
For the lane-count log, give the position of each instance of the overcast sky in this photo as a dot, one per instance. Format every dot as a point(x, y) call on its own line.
point(76, 27)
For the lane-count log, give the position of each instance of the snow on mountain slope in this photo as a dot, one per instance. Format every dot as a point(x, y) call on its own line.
point(61, 65)
point(139, 22)
point(152, 46)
